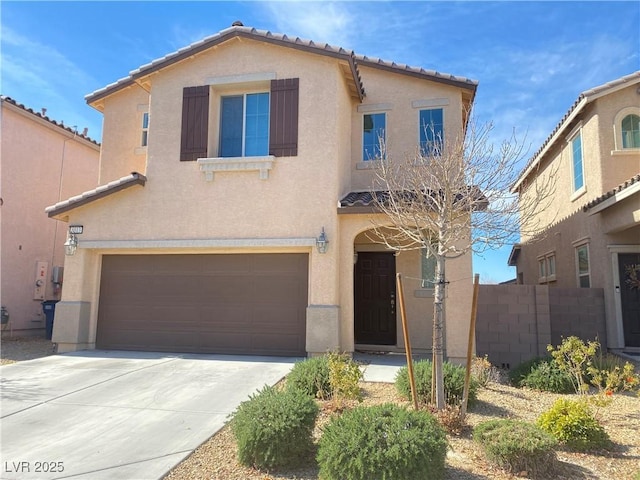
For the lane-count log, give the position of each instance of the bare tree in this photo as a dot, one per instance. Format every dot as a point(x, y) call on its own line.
point(451, 198)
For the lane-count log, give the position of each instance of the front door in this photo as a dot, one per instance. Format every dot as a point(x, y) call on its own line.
point(629, 264)
point(375, 298)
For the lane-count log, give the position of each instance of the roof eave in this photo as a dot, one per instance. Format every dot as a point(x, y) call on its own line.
point(56, 211)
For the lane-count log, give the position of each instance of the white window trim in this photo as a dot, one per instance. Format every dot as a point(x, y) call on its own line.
point(617, 131)
point(244, 121)
point(577, 131)
point(141, 109)
point(444, 120)
point(577, 246)
point(375, 163)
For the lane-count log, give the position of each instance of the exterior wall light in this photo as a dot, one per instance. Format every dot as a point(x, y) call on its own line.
point(71, 245)
point(321, 242)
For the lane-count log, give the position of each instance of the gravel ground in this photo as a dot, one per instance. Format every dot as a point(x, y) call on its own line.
point(216, 458)
point(16, 349)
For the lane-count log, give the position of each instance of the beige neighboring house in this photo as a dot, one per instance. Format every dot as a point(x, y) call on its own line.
point(591, 238)
point(42, 162)
point(246, 225)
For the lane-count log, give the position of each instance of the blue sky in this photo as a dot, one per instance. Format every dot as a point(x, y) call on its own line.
point(532, 59)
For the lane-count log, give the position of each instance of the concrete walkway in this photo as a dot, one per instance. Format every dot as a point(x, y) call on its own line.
point(383, 367)
point(119, 415)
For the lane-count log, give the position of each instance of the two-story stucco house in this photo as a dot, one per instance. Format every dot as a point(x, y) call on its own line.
point(43, 162)
point(592, 236)
point(246, 226)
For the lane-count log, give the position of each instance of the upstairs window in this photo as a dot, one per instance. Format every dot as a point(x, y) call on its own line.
point(431, 131)
point(631, 131)
point(145, 129)
point(244, 125)
point(547, 268)
point(373, 135)
point(250, 124)
point(578, 170)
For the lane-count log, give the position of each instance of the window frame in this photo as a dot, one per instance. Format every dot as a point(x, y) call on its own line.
point(421, 131)
point(547, 267)
point(382, 156)
point(587, 273)
point(144, 130)
point(426, 284)
point(619, 148)
point(219, 126)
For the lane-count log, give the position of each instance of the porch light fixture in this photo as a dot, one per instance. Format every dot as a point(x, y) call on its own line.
point(321, 242)
point(71, 245)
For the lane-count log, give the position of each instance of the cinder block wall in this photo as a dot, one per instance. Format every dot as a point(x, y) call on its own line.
point(516, 322)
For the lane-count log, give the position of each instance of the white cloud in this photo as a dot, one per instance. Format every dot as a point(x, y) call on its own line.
point(40, 76)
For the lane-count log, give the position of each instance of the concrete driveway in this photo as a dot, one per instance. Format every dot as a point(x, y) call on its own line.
point(116, 415)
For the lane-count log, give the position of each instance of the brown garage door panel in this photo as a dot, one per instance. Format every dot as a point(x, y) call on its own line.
point(253, 304)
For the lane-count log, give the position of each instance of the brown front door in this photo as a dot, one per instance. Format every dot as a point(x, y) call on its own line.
point(375, 296)
point(629, 265)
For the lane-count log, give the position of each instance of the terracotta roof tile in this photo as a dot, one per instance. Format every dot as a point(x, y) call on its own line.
point(44, 117)
point(280, 39)
point(134, 178)
point(612, 192)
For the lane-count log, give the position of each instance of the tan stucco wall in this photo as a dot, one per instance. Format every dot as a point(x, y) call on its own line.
point(179, 211)
point(122, 134)
point(567, 226)
point(402, 119)
point(41, 165)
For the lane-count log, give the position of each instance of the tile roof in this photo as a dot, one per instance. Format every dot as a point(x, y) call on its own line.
point(102, 191)
point(358, 202)
point(283, 40)
point(61, 125)
point(620, 188)
point(585, 97)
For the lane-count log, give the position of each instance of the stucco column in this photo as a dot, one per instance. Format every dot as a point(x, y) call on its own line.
point(74, 326)
point(323, 312)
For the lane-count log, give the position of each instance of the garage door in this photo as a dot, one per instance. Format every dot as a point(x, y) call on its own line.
point(248, 304)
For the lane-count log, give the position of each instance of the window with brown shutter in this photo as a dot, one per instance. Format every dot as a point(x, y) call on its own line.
point(283, 124)
point(195, 123)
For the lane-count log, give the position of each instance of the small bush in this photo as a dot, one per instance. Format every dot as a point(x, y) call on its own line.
point(609, 373)
point(344, 375)
point(311, 376)
point(451, 419)
point(548, 377)
point(483, 371)
point(453, 376)
point(382, 442)
point(517, 374)
point(273, 428)
point(517, 446)
point(572, 423)
point(573, 356)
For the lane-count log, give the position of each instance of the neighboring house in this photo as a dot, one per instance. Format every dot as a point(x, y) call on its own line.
point(249, 150)
point(43, 162)
point(591, 238)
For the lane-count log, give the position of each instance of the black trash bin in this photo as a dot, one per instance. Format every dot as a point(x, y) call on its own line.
point(49, 309)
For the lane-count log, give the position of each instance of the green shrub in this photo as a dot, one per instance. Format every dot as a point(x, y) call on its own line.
point(483, 371)
point(548, 377)
point(572, 423)
point(517, 446)
point(573, 356)
point(274, 427)
point(311, 376)
point(382, 442)
point(453, 376)
point(517, 374)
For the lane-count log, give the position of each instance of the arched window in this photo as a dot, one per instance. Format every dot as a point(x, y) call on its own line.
point(631, 131)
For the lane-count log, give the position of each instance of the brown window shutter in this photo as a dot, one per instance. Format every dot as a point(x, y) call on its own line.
point(195, 123)
point(283, 124)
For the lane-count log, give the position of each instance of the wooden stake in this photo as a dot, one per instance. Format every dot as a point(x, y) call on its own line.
point(472, 332)
point(407, 342)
